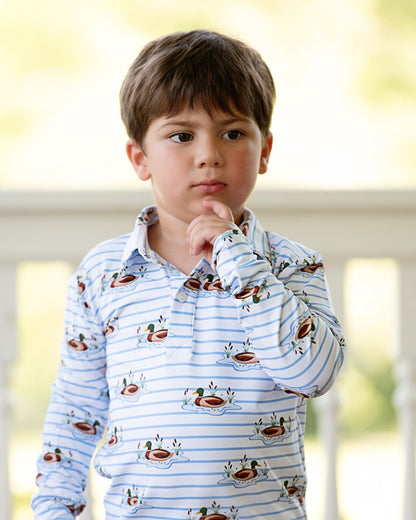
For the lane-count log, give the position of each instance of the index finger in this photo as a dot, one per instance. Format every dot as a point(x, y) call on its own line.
point(219, 208)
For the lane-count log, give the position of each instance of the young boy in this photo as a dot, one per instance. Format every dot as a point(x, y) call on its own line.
point(196, 338)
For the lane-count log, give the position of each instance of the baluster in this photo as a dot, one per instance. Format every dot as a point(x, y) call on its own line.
point(8, 354)
point(405, 394)
point(327, 405)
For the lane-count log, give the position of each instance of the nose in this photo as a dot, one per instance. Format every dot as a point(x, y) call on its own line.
point(209, 154)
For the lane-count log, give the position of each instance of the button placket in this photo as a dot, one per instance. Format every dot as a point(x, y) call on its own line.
point(182, 311)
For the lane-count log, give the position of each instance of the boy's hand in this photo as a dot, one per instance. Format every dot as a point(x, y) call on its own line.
point(205, 229)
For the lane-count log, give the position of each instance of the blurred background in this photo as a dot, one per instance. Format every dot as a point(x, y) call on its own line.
point(345, 119)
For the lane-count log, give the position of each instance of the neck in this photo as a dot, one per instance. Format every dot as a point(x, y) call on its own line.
point(168, 239)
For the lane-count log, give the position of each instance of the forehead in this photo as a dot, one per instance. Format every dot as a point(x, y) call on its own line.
point(200, 114)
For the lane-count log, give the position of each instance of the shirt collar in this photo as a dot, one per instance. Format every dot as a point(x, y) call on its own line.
point(138, 242)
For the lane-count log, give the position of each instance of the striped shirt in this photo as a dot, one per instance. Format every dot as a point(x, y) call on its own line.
point(200, 380)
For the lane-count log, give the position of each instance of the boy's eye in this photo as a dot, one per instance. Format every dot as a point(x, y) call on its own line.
point(232, 135)
point(181, 137)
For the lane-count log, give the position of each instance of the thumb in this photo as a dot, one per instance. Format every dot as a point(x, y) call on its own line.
point(219, 208)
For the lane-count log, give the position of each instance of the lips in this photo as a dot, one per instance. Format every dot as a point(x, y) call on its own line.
point(210, 186)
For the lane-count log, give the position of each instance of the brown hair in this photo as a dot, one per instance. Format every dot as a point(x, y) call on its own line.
point(196, 68)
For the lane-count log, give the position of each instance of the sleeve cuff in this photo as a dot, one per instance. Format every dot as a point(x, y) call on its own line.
point(234, 261)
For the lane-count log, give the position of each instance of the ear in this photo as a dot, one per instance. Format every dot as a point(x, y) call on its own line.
point(138, 159)
point(265, 153)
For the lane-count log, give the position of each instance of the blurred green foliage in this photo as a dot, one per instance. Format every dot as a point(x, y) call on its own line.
point(367, 392)
point(399, 15)
point(389, 72)
point(42, 35)
point(389, 77)
point(50, 49)
point(145, 16)
point(41, 301)
point(366, 404)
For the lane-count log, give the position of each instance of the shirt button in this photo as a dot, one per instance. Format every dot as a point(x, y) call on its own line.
point(181, 296)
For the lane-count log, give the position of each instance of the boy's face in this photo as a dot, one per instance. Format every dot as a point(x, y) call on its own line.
point(193, 156)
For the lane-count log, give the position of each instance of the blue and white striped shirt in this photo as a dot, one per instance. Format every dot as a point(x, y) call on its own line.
point(201, 380)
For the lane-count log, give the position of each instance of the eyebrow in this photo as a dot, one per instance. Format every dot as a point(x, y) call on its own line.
point(192, 124)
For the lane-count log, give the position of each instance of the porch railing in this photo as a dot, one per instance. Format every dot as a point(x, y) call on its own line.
point(342, 225)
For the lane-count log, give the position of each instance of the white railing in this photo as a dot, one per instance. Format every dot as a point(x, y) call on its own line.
point(342, 225)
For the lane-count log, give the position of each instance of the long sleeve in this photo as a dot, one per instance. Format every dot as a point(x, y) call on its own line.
point(285, 308)
point(78, 406)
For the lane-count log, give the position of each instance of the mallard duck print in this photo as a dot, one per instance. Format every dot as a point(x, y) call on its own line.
point(209, 401)
point(133, 500)
point(131, 387)
point(274, 431)
point(245, 474)
point(159, 454)
point(240, 358)
point(293, 491)
point(83, 428)
point(248, 473)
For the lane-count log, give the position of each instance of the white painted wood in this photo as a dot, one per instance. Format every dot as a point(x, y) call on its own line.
point(8, 354)
point(56, 225)
point(405, 394)
point(327, 406)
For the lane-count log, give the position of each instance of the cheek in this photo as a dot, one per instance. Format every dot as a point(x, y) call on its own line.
point(249, 158)
point(162, 166)
point(248, 165)
point(168, 161)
